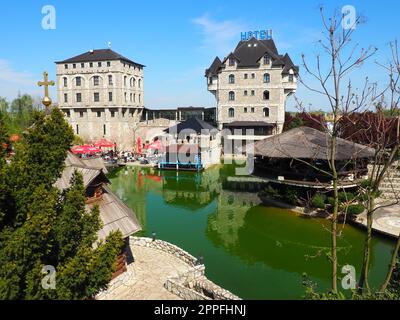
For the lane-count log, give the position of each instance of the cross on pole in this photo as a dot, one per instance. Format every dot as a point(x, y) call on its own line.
point(46, 100)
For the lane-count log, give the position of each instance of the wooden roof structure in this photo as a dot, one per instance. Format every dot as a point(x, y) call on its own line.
point(309, 143)
point(114, 214)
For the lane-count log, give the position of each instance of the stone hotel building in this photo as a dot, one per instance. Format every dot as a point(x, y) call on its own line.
point(101, 93)
point(251, 86)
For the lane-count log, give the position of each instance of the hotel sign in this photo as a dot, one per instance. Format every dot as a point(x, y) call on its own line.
point(259, 35)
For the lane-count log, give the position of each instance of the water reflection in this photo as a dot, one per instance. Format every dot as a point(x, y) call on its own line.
point(246, 246)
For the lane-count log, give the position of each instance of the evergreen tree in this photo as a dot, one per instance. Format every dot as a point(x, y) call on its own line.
point(41, 226)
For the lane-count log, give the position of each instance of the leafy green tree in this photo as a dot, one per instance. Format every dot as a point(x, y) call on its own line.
point(40, 225)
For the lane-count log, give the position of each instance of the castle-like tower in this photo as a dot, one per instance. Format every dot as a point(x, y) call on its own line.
point(251, 86)
point(102, 94)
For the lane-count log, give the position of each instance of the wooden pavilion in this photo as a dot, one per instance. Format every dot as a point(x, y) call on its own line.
point(300, 157)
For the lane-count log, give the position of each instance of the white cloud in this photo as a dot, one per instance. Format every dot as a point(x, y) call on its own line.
point(13, 81)
point(219, 36)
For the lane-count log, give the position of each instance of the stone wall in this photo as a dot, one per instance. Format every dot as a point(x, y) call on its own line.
point(191, 285)
point(165, 247)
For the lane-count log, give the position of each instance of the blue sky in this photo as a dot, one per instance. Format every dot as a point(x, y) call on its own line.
point(176, 40)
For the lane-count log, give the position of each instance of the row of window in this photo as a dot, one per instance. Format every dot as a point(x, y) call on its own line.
point(99, 64)
point(96, 97)
point(231, 94)
point(231, 111)
point(99, 114)
point(266, 60)
point(266, 77)
point(96, 81)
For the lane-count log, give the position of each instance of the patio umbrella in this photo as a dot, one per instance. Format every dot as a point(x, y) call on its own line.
point(104, 143)
point(139, 145)
point(85, 149)
point(156, 145)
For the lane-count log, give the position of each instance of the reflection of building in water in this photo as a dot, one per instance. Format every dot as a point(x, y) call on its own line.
point(229, 218)
point(139, 181)
point(191, 190)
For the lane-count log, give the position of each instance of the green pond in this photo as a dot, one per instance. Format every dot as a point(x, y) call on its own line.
point(254, 251)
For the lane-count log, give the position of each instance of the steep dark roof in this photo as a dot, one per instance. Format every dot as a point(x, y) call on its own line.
point(309, 143)
point(213, 69)
point(191, 124)
point(289, 65)
point(248, 54)
point(99, 55)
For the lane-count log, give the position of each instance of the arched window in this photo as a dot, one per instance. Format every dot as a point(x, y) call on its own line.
point(125, 77)
point(65, 82)
point(267, 78)
point(266, 112)
point(231, 112)
point(133, 82)
point(266, 95)
point(231, 78)
point(78, 81)
point(140, 83)
point(231, 96)
point(266, 59)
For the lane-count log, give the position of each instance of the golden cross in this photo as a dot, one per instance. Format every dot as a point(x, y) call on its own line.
point(46, 100)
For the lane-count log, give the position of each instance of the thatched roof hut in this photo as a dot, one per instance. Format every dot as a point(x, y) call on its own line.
point(309, 143)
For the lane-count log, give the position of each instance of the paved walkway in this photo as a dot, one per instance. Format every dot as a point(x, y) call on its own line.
point(386, 220)
point(145, 277)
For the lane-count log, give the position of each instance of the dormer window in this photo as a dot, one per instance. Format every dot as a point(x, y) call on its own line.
point(231, 62)
point(291, 78)
point(99, 64)
point(267, 59)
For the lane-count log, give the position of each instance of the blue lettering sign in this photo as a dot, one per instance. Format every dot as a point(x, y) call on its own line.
point(259, 35)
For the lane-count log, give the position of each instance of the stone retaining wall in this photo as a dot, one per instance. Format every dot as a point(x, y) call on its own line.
point(190, 285)
point(165, 247)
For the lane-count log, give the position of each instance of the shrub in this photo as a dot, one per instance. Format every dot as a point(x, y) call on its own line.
point(318, 201)
point(355, 209)
point(345, 196)
point(272, 193)
point(331, 201)
point(291, 196)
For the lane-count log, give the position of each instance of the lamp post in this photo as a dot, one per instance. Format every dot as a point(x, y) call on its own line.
point(153, 235)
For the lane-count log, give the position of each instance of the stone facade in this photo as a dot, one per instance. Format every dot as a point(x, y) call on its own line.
point(247, 90)
point(101, 98)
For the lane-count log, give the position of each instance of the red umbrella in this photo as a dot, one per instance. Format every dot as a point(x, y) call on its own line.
point(155, 145)
point(139, 145)
point(85, 149)
point(104, 143)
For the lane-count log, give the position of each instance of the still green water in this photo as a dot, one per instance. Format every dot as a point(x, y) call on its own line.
point(254, 251)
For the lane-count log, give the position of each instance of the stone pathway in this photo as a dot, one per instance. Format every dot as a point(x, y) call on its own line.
point(386, 220)
point(145, 277)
